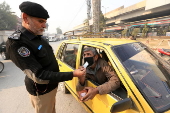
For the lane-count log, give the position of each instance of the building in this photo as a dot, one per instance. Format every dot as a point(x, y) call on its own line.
point(153, 13)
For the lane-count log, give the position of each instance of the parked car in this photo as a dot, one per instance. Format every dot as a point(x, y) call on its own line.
point(52, 39)
point(46, 38)
point(144, 75)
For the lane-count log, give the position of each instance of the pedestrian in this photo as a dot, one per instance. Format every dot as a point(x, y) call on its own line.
point(35, 57)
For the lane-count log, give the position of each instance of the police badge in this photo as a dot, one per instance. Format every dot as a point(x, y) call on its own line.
point(24, 52)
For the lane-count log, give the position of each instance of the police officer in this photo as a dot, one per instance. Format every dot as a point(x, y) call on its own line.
point(35, 57)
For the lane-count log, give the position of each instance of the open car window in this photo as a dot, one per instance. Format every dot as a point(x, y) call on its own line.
point(121, 92)
point(148, 73)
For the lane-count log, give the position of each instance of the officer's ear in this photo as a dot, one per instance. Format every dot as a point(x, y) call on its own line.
point(25, 17)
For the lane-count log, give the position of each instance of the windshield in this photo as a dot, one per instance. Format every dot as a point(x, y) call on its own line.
point(148, 71)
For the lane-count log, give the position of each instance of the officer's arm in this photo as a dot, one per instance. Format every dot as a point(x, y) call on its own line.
point(30, 66)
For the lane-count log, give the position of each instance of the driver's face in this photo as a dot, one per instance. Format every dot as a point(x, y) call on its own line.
point(88, 54)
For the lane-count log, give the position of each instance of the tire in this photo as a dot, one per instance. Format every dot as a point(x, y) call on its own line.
point(64, 88)
point(1, 67)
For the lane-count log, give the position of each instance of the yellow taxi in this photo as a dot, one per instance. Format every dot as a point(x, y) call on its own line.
point(144, 75)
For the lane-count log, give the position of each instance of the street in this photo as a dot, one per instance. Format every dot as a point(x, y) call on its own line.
point(14, 97)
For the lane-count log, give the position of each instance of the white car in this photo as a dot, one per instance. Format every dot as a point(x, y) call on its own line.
point(52, 39)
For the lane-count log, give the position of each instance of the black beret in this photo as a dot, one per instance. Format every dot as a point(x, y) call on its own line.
point(34, 9)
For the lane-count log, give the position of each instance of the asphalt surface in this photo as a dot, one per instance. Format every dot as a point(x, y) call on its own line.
point(14, 97)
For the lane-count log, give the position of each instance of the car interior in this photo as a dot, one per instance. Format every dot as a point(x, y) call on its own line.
point(69, 49)
point(121, 92)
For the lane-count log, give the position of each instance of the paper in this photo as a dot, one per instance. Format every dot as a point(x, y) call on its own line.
point(83, 94)
point(85, 64)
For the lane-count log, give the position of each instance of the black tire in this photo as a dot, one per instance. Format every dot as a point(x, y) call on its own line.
point(64, 88)
point(1, 67)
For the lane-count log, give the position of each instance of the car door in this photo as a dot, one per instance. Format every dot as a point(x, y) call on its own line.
point(67, 61)
point(103, 103)
point(127, 88)
point(100, 103)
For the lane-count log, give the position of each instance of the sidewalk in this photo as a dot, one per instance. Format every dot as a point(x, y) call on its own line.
point(155, 43)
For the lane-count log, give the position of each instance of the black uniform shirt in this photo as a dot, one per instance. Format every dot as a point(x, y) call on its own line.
point(35, 57)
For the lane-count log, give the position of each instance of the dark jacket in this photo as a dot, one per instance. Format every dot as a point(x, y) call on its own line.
point(35, 57)
point(104, 75)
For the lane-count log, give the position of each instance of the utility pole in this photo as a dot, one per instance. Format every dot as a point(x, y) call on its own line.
point(96, 15)
point(88, 14)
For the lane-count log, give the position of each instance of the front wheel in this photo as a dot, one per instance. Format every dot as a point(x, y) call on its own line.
point(1, 67)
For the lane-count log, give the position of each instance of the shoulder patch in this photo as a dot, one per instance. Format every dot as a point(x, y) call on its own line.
point(24, 52)
point(15, 35)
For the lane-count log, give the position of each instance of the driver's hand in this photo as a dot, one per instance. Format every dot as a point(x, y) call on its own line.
point(91, 92)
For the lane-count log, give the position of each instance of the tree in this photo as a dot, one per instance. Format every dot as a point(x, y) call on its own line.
point(59, 31)
point(124, 32)
point(145, 30)
point(8, 21)
point(102, 23)
point(135, 32)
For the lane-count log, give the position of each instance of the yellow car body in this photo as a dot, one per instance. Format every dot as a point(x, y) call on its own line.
point(135, 101)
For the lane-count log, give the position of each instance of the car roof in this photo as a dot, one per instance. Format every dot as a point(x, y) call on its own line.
point(106, 41)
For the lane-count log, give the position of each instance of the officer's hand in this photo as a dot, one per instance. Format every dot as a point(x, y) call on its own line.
point(82, 78)
point(81, 68)
point(91, 92)
point(79, 72)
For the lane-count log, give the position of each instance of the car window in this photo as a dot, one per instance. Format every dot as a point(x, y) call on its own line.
point(69, 54)
point(82, 62)
point(121, 92)
point(149, 73)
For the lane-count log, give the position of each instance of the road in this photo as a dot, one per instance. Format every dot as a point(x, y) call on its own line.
point(14, 97)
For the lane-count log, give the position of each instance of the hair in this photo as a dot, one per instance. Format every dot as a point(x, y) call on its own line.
point(93, 50)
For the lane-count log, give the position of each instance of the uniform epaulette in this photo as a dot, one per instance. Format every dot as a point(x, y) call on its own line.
point(15, 35)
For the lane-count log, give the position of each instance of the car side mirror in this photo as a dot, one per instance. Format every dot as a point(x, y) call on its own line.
point(121, 105)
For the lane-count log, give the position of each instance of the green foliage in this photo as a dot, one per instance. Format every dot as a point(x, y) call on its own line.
point(129, 31)
point(59, 31)
point(161, 31)
point(5, 7)
point(145, 30)
point(8, 21)
point(102, 23)
point(135, 32)
point(124, 32)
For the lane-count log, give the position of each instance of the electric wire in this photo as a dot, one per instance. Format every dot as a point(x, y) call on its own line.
point(77, 13)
